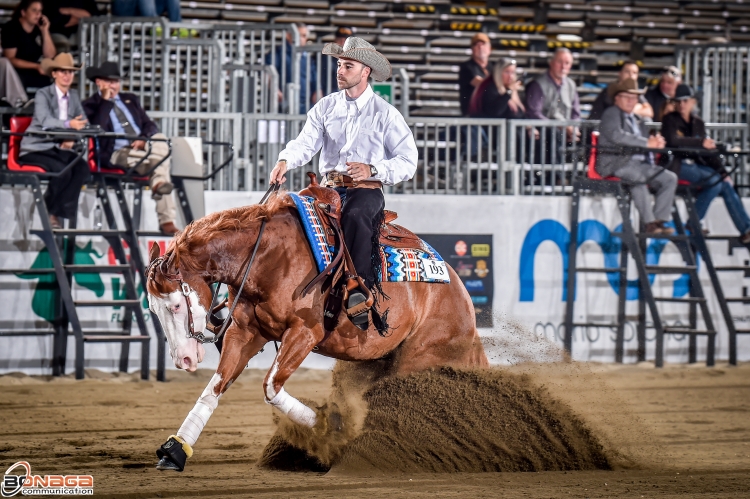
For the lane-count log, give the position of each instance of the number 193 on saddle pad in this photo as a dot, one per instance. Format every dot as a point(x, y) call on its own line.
point(397, 264)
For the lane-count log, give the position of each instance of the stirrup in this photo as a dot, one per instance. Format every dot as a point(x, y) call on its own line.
point(357, 310)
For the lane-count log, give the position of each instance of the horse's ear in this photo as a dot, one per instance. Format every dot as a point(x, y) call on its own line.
point(155, 252)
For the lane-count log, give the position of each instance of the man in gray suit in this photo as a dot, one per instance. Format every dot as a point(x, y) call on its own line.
point(622, 140)
point(57, 106)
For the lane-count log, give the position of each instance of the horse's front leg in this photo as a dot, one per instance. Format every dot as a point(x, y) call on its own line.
point(239, 347)
point(296, 344)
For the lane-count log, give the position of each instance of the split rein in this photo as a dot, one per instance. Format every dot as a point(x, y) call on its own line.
point(213, 322)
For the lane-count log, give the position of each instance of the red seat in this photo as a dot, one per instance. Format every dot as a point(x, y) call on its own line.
point(592, 173)
point(95, 168)
point(19, 124)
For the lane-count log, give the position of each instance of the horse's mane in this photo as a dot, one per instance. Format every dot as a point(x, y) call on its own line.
point(184, 248)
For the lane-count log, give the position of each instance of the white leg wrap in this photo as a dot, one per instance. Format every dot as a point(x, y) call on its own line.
point(198, 417)
point(294, 409)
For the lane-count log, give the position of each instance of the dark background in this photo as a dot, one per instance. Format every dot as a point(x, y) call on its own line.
point(477, 282)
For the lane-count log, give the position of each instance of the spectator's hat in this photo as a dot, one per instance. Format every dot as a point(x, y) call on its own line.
point(672, 71)
point(480, 37)
point(343, 32)
point(683, 92)
point(627, 86)
point(63, 60)
point(359, 50)
point(107, 71)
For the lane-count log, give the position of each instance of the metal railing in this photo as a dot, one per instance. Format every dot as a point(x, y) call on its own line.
point(196, 73)
point(212, 128)
point(721, 75)
point(136, 43)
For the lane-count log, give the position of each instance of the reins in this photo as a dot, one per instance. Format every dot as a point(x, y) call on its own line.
point(225, 324)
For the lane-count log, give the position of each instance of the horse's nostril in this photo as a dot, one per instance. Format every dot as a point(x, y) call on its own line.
point(186, 362)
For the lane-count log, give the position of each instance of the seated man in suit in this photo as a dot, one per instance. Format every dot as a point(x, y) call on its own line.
point(622, 140)
point(122, 113)
point(57, 106)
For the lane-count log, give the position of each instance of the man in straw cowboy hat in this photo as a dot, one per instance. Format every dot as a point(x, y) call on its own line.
point(622, 140)
point(57, 106)
point(122, 114)
point(364, 143)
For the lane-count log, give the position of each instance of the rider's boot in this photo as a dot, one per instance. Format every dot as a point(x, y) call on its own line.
point(359, 302)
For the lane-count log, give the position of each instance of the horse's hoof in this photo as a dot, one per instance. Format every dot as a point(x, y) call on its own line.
point(173, 454)
point(166, 464)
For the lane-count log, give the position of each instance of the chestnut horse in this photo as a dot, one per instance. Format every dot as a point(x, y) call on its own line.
point(431, 324)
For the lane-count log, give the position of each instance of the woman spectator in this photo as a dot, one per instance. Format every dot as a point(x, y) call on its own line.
point(57, 106)
point(497, 96)
point(25, 40)
point(682, 129)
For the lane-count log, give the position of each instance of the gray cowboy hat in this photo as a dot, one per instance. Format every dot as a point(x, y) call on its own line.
point(359, 50)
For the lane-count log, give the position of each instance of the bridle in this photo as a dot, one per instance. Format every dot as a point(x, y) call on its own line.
point(212, 321)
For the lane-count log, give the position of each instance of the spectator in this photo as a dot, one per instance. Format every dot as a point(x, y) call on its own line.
point(669, 106)
point(472, 72)
point(664, 90)
point(497, 96)
point(57, 106)
point(64, 17)
point(148, 8)
point(328, 65)
point(620, 130)
point(25, 40)
point(307, 93)
point(122, 114)
point(630, 70)
point(553, 96)
point(12, 93)
point(682, 129)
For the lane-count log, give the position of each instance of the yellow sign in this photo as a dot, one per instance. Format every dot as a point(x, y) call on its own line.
point(480, 250)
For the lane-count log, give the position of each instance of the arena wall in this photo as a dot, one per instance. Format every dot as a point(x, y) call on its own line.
point(529, 244)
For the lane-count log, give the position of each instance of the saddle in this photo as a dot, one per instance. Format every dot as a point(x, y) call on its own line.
point(391, 234)
point(327, 203)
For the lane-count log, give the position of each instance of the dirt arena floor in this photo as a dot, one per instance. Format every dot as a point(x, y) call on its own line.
point(682, 431)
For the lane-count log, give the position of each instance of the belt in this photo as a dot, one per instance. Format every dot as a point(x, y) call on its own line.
point(338, 179)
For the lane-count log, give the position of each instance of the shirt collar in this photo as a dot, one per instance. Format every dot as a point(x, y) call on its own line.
point(115, 98)
point(60, 93)
point(554, 82)
point(363, 99)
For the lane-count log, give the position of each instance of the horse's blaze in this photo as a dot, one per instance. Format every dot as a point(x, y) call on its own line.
point(171, 311)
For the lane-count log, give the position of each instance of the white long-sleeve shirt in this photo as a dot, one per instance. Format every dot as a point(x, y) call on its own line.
point(365, 130)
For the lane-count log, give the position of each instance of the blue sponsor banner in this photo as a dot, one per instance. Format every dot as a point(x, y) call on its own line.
point(470, 255)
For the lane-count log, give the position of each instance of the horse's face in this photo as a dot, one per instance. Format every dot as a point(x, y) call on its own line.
point(175, 311)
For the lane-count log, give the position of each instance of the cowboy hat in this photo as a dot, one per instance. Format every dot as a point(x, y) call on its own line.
point(359, 50)
point(62, 60)
point(107, 71)
point(626, 86)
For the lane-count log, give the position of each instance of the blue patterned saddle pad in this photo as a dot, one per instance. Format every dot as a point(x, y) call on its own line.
point(397, 264)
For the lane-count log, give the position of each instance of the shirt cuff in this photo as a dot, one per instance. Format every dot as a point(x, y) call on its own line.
point(67, 123)
point(380, 167)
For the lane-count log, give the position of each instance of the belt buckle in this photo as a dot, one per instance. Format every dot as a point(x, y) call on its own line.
point(336, 178)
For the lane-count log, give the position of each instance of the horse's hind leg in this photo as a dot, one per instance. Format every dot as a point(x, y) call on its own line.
point(239, 347)
point(296, 344)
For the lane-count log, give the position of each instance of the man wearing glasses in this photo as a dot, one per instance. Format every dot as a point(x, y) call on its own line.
point(122, 114)
point(663, 91)
point(622, 140)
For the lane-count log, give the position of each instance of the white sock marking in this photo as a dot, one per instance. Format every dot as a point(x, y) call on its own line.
point(198, 417)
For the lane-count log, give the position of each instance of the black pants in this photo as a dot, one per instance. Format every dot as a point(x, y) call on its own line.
point(362, 211)
point(62, 193)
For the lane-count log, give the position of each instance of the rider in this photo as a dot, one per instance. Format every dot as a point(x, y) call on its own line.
point(365, 143)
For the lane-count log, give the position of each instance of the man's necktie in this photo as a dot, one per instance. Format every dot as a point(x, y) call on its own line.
point(123, 119)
